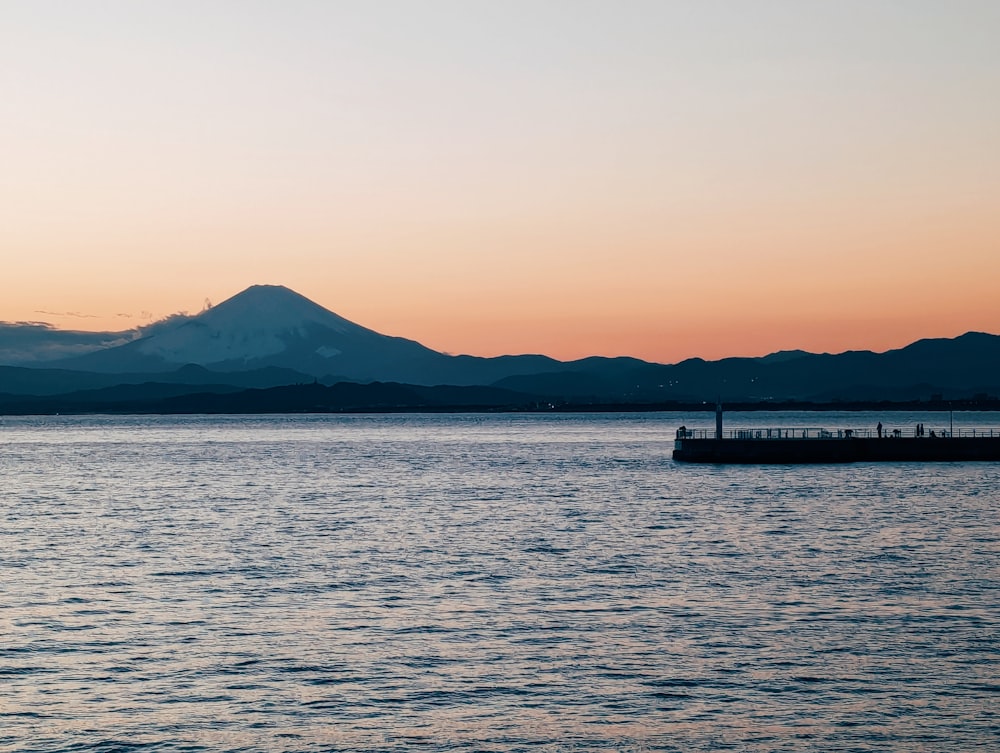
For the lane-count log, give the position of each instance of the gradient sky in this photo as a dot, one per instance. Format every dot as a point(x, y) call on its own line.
point(659, 179)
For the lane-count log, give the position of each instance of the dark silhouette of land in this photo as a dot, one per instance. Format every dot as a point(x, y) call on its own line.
point(349, 397)
point(269, 349)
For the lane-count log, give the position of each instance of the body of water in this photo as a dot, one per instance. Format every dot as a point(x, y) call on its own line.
point(487, 583)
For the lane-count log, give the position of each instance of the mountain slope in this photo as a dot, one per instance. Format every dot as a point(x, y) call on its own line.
point(272, 326)
point(265, 325)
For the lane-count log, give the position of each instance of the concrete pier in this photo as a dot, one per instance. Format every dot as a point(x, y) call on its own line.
point(757, 448)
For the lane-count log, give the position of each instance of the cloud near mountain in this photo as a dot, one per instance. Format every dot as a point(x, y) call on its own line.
point(24, 343)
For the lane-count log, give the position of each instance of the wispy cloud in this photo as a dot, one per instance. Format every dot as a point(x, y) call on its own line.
point(24, 324)
point(166, 322)
point(74, 314)
point(30, 342)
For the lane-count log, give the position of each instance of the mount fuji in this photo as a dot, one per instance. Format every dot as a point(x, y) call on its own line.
point(272, 326)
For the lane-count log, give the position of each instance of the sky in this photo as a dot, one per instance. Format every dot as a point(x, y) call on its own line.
point(659, 179)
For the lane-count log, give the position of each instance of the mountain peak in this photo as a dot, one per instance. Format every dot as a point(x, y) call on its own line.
point(271, 308)
point(268, 292)
point(258, 322)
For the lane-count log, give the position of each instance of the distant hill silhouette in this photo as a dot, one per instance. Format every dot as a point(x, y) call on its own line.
point(20, 380)
point(956, 367)
point(298, 398)
point(269, 336)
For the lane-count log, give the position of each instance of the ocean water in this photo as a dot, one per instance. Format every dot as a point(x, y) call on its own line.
point(487, 583)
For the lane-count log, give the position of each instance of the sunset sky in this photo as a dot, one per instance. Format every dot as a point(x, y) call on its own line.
point(658, 178)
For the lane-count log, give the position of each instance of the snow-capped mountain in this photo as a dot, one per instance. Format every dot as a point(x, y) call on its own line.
point(262, 321)
point(266, 325)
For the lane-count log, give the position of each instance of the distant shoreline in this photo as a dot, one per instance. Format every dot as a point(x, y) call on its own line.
point(42, 408)
point(770, 406)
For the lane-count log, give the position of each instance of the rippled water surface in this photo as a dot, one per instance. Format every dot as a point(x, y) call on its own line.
point(486, 583)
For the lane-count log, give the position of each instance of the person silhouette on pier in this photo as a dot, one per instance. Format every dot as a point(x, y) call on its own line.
point(879, 429)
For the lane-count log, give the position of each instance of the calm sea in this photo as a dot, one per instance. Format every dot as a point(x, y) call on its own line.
point(487, 583)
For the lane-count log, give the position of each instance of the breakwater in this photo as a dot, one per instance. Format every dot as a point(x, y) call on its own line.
point(841, 446)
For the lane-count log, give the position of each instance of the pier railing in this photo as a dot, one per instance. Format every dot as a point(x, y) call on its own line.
point(819, 433)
